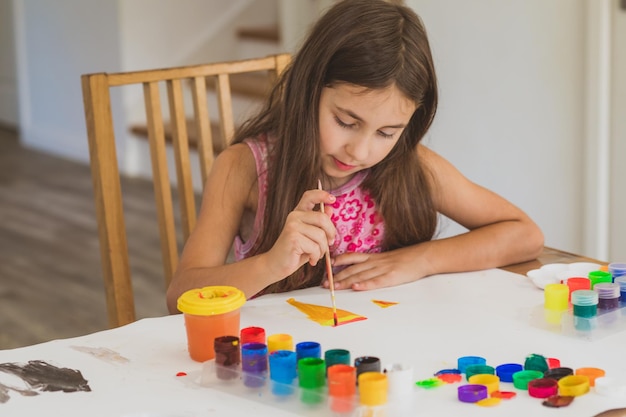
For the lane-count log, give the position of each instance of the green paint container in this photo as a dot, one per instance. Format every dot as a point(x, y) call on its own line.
point(585, 303)
point(311, 379)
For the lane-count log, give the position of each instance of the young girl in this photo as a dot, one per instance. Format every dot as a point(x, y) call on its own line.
point(351, 110)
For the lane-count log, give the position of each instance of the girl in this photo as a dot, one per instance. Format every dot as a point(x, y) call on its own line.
point(351, 110)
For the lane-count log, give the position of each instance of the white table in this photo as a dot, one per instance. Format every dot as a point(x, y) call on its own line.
point(437, 320)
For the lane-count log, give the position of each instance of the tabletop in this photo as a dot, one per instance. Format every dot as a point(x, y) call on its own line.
point(143, 369)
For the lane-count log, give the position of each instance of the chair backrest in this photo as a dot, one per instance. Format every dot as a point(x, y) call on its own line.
point(104, 165)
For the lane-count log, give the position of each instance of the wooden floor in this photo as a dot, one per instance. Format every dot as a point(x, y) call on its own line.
point(50, 277)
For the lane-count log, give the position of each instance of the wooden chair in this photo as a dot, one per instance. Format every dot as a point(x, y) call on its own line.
point(104, 165)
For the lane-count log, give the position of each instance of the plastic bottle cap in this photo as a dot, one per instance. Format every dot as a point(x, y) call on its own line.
point(610, 387)
point(472, 393)
point(464, 361)
point(492, 382)
point(543, 387)
point(591, 373)
point(210, 301)
point(522, 378)
point(505, 371)
point(574, 385)
point(558, 373)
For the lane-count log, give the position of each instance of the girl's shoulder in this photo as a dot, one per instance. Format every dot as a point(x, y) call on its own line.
point(235, 168)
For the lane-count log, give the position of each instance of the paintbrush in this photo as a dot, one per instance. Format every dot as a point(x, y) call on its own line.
point(329, 270)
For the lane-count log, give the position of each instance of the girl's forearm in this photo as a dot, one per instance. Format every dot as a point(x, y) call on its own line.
point(490, 246)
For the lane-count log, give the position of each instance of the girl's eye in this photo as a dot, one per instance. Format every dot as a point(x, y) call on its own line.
point(385, 135)
point(342, 124)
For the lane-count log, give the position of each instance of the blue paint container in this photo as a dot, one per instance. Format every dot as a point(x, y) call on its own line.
point(283, 371)
point(254, 364)
point(621, 281)
point(617, 269)
point(308, 350)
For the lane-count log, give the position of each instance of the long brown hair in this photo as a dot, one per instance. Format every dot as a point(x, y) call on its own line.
point(369, 43)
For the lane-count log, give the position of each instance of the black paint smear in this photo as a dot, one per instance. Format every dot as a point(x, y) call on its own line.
point(42, 375)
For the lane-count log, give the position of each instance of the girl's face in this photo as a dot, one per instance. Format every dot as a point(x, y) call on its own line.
point(359, 127)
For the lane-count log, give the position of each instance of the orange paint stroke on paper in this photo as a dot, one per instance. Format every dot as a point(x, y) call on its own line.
point(324, 315)
point(384, 304)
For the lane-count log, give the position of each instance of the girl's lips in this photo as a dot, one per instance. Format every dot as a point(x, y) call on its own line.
point(341, 166)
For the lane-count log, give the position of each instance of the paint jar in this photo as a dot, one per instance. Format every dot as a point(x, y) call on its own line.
point(556, 301)
point(308, 350)
point(279, 341)
point(472, 393)
point(556, 297)
point(597, 277)
point(608, 295)
point(373, 388)
point(522, 378)
point(401, 383)
point(283, 371)
point(543, 387)
point(617, 269)
point(574, 385)
point(252, 335)
point(492, 382)
point(591, 373)
point(366, 364)
point(227, 357)
point(577, 283)
point(464, 361)
point(342, 388)
point(621, 281)
point(336, 356)
point(311, 379)
point(254, 364)
point(506, 370)
point(558, 373)
point(478, 369)
point(209, 312)
point(585, 303)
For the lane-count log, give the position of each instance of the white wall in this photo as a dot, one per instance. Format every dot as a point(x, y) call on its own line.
point(617, 230)
point(56, 43)
point(511, 106)
point(8, 78)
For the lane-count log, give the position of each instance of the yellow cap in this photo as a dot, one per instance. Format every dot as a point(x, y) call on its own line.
point(209, 301)
point(574, 385)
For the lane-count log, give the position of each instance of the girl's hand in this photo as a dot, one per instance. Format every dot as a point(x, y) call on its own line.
point(367, 271)
point(306, 235)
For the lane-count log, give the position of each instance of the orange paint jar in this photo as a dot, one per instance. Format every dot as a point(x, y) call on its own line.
point(210, 312)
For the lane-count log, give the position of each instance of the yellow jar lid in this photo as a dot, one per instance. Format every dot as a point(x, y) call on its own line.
point(210, 301)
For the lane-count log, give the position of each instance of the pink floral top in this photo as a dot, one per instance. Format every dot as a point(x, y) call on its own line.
point(360, 228)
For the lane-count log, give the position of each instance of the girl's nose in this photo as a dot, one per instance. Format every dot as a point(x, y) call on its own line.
point(358, 148)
